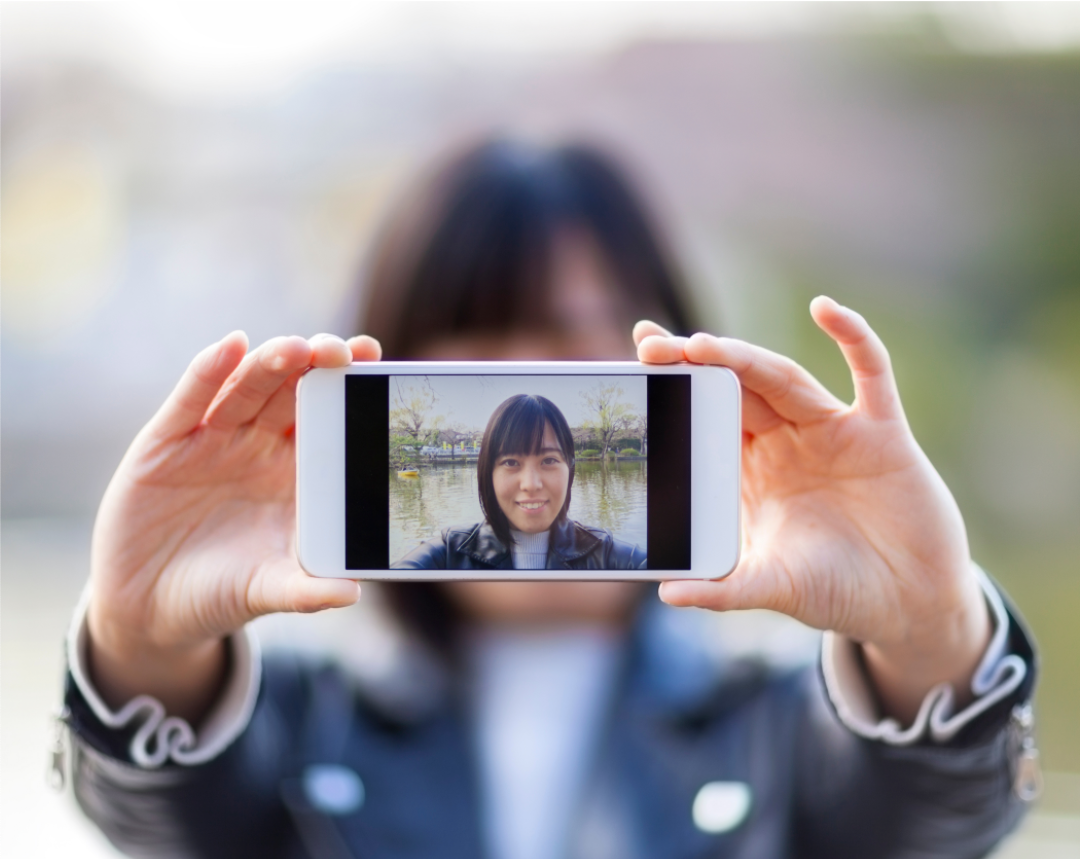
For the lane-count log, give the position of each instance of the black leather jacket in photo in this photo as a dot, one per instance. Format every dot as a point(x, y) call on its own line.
point(572, 546)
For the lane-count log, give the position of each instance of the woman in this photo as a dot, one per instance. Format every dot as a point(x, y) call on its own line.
point(525, 470)
point(546, 719)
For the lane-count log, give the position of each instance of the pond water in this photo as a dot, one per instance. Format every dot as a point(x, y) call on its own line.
point(608, 495)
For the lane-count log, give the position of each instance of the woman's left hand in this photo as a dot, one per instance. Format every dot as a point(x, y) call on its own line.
point(847, 526)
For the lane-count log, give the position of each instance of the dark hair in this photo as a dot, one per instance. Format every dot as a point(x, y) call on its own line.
point(518, 426)
point(471, 250)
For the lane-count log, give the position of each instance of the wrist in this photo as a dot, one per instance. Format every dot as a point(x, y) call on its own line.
point(944, 649)
point(184, 678)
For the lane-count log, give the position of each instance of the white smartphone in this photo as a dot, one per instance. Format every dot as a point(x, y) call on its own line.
point(440, 471)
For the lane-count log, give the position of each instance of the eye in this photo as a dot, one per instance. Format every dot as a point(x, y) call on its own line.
point(509, 462)
point(552, 460)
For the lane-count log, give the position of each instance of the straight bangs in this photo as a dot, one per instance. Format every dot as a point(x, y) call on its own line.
point(523, 428)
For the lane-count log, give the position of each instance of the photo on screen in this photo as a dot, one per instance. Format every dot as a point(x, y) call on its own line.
point(608, 459)
point(530, 458)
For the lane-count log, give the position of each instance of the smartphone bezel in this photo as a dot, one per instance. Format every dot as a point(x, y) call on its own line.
point(715, 473)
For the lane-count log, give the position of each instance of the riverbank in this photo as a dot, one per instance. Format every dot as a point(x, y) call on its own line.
point(437, 462)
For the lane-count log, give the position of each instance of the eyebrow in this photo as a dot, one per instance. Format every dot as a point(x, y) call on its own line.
point(558, 450)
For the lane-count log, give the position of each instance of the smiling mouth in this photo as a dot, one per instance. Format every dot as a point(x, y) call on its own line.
point(531, 505)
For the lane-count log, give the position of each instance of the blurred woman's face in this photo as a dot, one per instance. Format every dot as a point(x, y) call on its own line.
point(531, 487)
point(593, 324)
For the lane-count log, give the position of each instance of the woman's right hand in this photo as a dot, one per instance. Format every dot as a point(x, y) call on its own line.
point(195, 534)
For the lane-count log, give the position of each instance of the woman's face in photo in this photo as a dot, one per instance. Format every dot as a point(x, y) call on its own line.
point(531, 488)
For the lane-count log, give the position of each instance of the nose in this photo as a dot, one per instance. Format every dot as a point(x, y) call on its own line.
point(530, 480)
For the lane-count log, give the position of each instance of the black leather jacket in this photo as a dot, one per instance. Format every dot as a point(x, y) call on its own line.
point(572, 546)
point(680, 718)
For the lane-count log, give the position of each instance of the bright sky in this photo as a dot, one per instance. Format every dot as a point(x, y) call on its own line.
point(470, 400)
point(227, 48)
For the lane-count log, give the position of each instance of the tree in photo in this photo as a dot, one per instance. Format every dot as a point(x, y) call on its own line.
point(608, 417)
point(639, 428)
point(412, 421)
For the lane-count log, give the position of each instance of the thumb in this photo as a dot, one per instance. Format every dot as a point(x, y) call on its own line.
point(287, 588)
point(753, 584)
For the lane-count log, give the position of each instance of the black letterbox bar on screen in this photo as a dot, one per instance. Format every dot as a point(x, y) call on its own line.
point(668, 462)
point(367, 492)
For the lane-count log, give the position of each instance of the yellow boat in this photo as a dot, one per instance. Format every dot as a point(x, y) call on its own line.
point(410, 473)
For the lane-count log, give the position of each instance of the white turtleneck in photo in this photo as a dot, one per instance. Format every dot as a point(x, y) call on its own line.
point(529, 551)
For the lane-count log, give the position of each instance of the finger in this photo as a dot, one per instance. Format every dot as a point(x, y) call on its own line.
point(867, 357)
point(280, 413)
point(254, 382)
point(662, 349)
point(365, 348)
point(329, 351)
point(751, 585)
point(187, 405)
point(784, 385)
point(645, 328)
point(286, 587)
point(723, 595)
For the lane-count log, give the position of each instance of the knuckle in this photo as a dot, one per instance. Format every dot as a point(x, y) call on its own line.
point(251, 599)
point(279, 354)
point(242, 391)
point(784, 379)
point(270, 357)
point(187, 401)
point(205, 367)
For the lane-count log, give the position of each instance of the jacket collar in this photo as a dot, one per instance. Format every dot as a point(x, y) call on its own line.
point(571, 541)
point(484, 547)
point(568, 541)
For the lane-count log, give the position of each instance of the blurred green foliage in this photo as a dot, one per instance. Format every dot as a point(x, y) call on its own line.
point(988, 359)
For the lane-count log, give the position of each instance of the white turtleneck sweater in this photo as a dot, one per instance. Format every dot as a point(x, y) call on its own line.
point(538, 700)
point(529, 551)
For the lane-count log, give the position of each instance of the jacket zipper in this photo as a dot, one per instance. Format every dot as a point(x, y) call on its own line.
point(1028, 782)
point(57, 774)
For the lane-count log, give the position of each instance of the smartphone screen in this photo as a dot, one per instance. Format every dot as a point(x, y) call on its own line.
point(428, 453)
